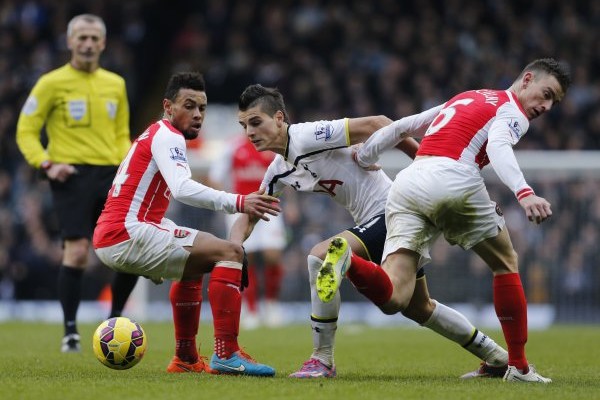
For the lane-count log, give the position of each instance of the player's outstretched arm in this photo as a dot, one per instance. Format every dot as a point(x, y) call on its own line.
point(242, 228)
point(394, 134)
point(536, 208)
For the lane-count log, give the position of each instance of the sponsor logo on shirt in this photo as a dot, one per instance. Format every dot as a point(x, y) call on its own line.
point(77, 109)
point(181, 233)
point(177, 154)
point(515, 128)
point(323, 131)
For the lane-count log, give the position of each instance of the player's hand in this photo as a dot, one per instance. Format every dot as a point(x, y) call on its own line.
point(60, 172)
point(536, 208)
point(258, 205)
point(355, 148)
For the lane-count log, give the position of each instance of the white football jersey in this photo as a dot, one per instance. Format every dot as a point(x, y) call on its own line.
point(318, 159)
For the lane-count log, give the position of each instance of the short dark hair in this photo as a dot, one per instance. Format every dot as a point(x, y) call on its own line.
point(552, 67)
point(269, 99)
point(184, 80)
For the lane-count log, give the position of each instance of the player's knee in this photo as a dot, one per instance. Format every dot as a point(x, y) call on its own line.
point(233, 252)
point(513, 261)
point(509, 263)
point(393, 306)
point(76, 254)
point(272, 257)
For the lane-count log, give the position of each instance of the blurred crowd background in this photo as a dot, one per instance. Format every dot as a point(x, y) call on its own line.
point(331, 59)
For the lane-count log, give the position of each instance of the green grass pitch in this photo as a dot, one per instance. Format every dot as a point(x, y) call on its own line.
point(373, 363)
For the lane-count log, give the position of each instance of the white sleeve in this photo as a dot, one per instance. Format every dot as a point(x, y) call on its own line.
point(506, 130)
point(389, 136)
point(169, 152)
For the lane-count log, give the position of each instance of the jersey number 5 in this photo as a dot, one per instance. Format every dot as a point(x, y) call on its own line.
point(447, 113)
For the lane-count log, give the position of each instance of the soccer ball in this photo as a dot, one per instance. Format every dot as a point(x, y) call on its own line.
point(119, 343)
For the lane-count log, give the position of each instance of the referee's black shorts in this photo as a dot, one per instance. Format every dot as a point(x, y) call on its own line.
point(79, 201)
point(372, 236)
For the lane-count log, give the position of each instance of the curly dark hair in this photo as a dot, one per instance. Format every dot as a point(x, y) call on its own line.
point(184, 80)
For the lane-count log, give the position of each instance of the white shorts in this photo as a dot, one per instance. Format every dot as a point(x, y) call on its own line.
point(269, 235)
point(439, 195)
point(154, 251)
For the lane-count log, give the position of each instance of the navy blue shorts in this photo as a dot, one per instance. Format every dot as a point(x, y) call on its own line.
point(372, 236)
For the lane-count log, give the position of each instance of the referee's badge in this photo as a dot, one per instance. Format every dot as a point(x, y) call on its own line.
point(77, 109)
point(111, 108)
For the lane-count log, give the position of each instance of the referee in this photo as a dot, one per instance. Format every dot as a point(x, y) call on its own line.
point(85, 112)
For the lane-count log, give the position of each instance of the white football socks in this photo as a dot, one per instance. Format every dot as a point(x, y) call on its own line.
point(453, 325)
point(323, 316)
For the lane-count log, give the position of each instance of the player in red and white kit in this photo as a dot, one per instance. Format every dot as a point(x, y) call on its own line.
point(442, 191)
point(243, 167)
point(132, 234)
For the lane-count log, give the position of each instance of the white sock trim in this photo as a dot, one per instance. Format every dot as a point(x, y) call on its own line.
point(229, 264)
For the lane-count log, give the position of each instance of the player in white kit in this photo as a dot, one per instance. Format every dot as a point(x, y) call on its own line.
point(442, 191)
point(316, 157)
point(132, 234)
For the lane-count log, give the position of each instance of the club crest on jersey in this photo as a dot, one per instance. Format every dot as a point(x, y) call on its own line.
point(177, 154)
point(181, 233)
point(77, 109)
point(499, 210)
point(515, 128)
point(323, 131)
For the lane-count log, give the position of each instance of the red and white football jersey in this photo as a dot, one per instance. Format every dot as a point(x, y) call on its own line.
point(478, 127)
point(475, 128)
point(461, 129)
point(155, 168)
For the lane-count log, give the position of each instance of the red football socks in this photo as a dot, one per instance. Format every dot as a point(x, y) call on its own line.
point(273, 277)
point(511, 309)
point(226, 302)
point(186, 300)
point(370, 280)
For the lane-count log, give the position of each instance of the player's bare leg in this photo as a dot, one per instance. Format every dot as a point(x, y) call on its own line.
point(401, 268)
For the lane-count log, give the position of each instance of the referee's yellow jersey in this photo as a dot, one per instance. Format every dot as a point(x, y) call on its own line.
point(86, 117)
